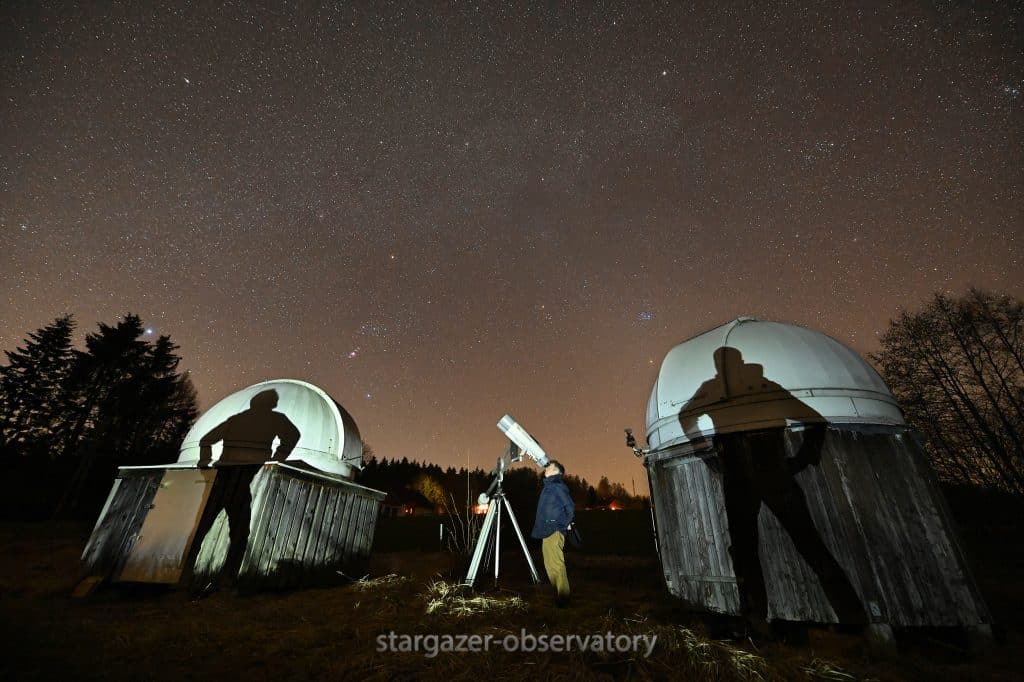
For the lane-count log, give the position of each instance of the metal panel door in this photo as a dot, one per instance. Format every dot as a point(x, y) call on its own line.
point(158, 553)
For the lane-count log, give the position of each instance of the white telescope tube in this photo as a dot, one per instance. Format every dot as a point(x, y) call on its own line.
point(527, 443)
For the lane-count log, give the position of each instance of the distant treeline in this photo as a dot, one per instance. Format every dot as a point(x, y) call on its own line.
point(416, 486)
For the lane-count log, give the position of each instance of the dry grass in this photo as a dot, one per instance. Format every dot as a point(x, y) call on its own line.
point(459, 601)
point(820, 669)
point(390, 580)
point(126, 633)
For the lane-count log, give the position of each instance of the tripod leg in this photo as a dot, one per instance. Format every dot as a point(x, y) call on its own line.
point(497, 541)
point(481, 543)
point(522, 542)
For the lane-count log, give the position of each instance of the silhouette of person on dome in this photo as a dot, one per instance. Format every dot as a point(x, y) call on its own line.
point(248, 438)
point(756, 471)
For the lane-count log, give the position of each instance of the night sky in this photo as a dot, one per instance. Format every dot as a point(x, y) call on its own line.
point(442, 212)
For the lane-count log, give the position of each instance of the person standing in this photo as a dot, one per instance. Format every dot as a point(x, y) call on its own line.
point(555, 515)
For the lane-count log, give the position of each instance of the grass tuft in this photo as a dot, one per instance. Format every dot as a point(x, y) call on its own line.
point(820, 669)
point(458, 600)
point(712, 659)
point(385, 581)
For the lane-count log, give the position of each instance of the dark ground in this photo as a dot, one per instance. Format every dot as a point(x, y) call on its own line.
point(137, 632)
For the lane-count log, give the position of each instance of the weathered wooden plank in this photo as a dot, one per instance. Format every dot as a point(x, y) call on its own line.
point(664, 525)
point(339, 535)
point(303, 563)
point(793, 589)
point(288, 570)
point(970, 601)
point(213, 550)
point(332, 502)
point(263, 556)
point(99, 553)
point(693, 530)
point(852, 460)
point(829, 499)
point(895, 542)
point(361, 547)
point(258, 522)
point(926, 586)
point(355, 535)
point(370, 527)
point(98, 537)
point(324, 520)
point(312, 571)
point(289, 491)
point(115, 531)
point(339, 527)
point(133, 523)
point(714, 538)
point(365, 528)
point(267, 503)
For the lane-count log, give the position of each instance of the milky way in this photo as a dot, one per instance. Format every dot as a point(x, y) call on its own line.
point(444, 212)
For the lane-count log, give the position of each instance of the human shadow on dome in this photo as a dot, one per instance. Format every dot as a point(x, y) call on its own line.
point(248, 439)
point(754, 470)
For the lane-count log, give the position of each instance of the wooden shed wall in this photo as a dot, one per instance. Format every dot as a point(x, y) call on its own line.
point(874, 503)
point(305, 528)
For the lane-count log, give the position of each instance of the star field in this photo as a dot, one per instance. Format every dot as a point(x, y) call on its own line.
point(443, 212)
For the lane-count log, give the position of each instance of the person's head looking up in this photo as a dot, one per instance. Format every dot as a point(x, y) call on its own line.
point(554, 468)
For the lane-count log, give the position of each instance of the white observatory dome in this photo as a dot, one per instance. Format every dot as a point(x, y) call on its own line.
point(328, 439)
point(772, 374)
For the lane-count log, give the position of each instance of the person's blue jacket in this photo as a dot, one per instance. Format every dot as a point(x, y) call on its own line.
point(555, 508)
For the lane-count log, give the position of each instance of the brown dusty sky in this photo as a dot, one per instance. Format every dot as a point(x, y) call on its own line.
point(441, 213)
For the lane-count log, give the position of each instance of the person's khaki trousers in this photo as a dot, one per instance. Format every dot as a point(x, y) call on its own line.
point(552, 547)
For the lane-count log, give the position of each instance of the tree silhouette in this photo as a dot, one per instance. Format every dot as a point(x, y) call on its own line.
point(131, 406)
point(34, 395)
point(957, 368)
point(71, 416)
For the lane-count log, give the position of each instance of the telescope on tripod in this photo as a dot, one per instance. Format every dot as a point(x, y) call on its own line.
point(520, 443)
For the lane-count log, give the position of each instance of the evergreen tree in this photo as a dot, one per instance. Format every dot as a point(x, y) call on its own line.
point(132, 404)
point(34, 391)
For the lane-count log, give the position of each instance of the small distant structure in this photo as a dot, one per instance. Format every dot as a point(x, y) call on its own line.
point(610, 505)
point(407, 502)
point(261, 494)
point(786, 485)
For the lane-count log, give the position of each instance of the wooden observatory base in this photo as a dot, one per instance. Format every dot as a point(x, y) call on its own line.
point(307, 527)
point(875, 504)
